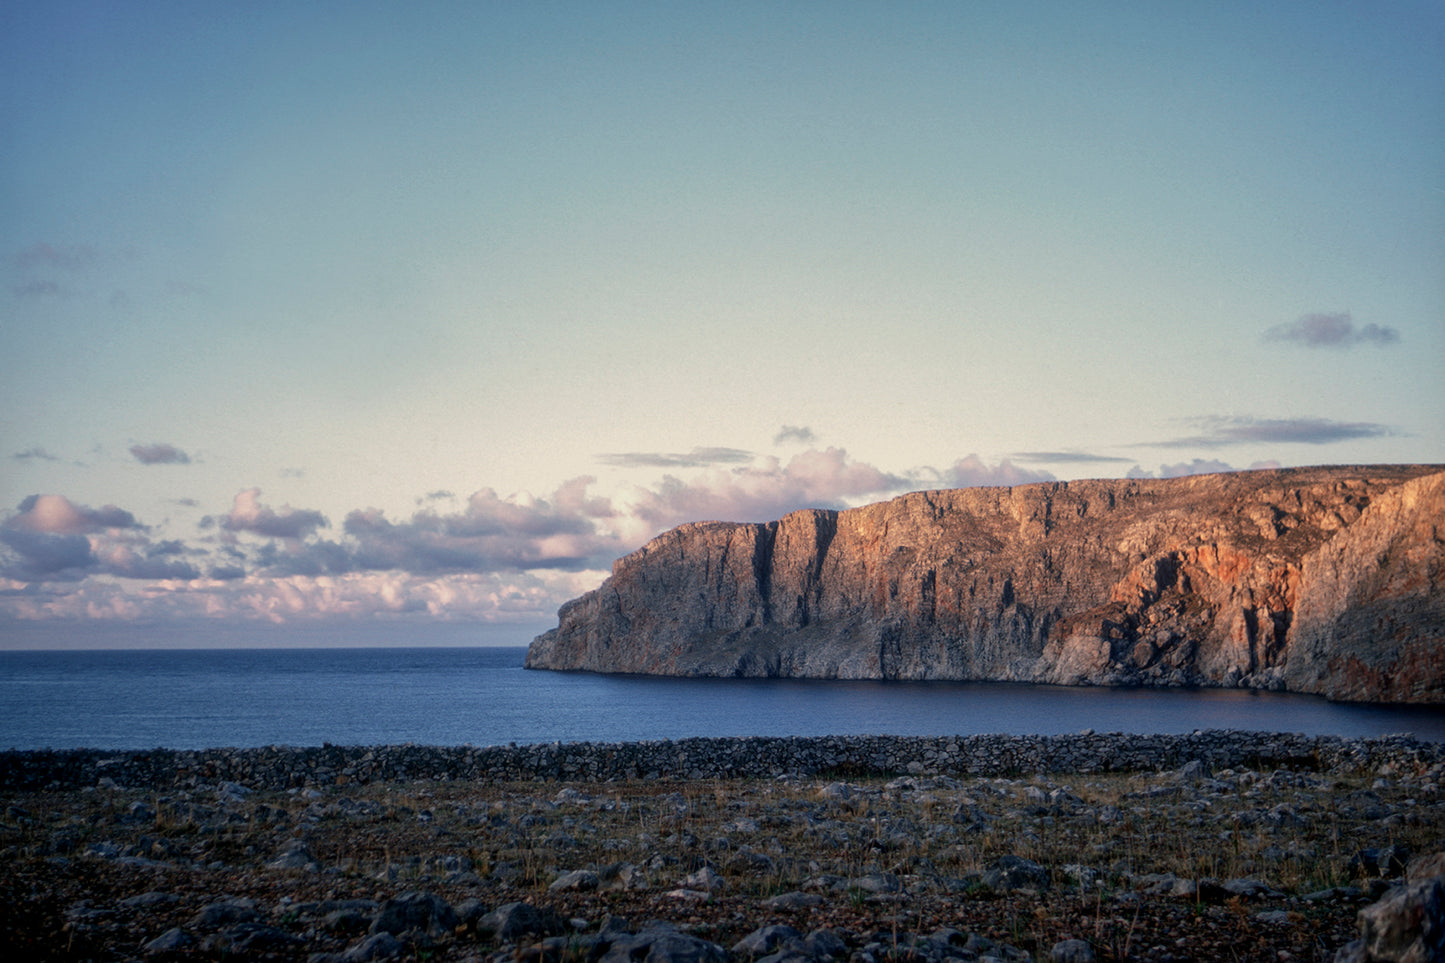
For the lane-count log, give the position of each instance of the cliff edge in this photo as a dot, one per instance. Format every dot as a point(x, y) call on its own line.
point(1318, 580)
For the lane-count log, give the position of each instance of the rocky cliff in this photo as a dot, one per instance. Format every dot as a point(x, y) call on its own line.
point(1320, 580)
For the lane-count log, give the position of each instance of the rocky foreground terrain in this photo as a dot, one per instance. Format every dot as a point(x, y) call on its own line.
point(1328, 581)
point(1200, 861)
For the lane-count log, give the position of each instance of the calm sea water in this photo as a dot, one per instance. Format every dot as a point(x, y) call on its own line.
point(196, 699)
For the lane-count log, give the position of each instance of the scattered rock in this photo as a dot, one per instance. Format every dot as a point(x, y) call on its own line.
point(1071, 951)
point(1010, 873)
point(224, 912)
point(511, 921)
point(578, 880)
point(424, 912)
point(766, 940)
point(377, 946)
point(174, 940)
point(1406, 926)
point(663, 943)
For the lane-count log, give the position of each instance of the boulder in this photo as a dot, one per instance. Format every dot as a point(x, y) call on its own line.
point(416, 911)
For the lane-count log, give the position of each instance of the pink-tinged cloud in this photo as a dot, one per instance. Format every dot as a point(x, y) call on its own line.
point(974, 472)
point(58, 515)
point(50, 538)
point(1331, 331)
point(1199, 466)
point(566, 531)
point(527, 598)
point(491, 558)
point(249, 515)
point(763, 491)
point(159, 454)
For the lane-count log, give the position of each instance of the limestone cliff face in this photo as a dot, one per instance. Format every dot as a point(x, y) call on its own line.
point(1323, 580)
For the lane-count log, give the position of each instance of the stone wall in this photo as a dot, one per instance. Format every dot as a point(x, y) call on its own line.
point(283, 767)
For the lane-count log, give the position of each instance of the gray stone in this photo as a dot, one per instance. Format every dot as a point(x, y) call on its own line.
point(1406, 926)
point(513, 920)
point(174, 940)
point(793, 901)
point(252, 939)
point(578, 880)
point(295, 855)
point(347, 921)
point(1071, 951)
point(663, 943)
point(1009, 873)
point(767, 939)
point(224, 912)
point(377, 946)
point(470, 910)
point(824, 944)
point(424, 912)
point(706, 880)
point(1273, 917)
point(876, 883)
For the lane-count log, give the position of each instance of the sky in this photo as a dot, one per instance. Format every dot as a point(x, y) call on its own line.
point(394, 323)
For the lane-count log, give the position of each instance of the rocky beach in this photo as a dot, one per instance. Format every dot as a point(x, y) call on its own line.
point(1214, 845)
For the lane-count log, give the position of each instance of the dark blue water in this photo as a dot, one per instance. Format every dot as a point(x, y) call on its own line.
point(482, 696)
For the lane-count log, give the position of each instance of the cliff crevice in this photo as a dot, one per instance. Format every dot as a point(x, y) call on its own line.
point(1323, 580)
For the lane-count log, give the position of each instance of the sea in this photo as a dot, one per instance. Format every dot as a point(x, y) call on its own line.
point(208, 698)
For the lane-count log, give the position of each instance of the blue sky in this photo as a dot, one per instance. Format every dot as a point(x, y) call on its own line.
point(374, 313)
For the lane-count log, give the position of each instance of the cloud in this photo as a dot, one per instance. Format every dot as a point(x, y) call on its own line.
point(973, 472)
point(1217, 431)
point(794, 434)
point(1066, 457)
point(764, 490)
point(49, 537)
point(1198, 466)
point(697, 458)
point(249, 515)
point(569, 531)
point(128, 561)
point(1331, 331)
point(58, 515)
point(159, 454)
point(487, 557)
point(34, 454)
point(36, 289)
point(69, 257)
point(44, 555)
point(525, 598)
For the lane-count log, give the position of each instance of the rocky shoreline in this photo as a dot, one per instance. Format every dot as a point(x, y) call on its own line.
point(753, 757)
point(848, 849)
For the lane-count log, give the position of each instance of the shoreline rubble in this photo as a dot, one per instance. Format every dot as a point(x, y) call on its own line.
point(753, 757)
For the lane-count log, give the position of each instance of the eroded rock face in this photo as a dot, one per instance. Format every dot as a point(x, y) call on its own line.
point(1325, 580)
